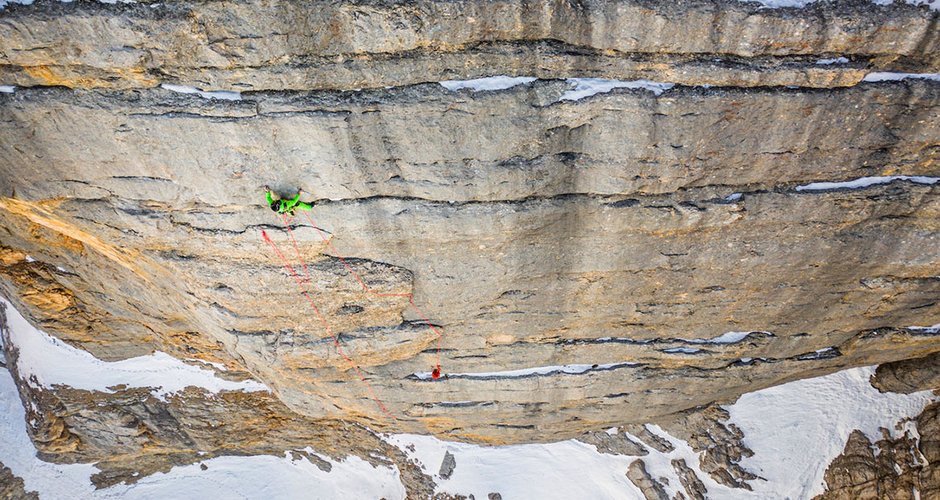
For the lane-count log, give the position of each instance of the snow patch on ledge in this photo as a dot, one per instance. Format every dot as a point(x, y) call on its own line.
point(834, 60)
point(799, 4)
point(728, 338)
point(586, 87)
point(894, 77)
point(933, 4)
point(682, 350)
point(778, 4)
point(218, 94)
point(930, 330)
point(864, 182)
point(500, 82)
point(530, 372)
point(46, 361)
point(7, 89)
point(4, 3)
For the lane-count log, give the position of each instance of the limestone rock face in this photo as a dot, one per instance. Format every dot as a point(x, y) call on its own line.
point(909, 375)
point(560, 255)
point(595, 244)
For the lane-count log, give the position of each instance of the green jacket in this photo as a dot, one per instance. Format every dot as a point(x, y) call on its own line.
point(287, 206)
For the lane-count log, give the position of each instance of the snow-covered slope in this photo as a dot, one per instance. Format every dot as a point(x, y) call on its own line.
point(795, 430)
point(47, 361)
point(224, 477)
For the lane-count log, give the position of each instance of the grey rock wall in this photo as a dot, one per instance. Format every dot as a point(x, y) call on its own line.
point(265, 45)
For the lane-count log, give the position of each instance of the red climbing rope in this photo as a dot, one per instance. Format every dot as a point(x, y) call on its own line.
point(296, 248)
point(326, 325)
point(437, 370)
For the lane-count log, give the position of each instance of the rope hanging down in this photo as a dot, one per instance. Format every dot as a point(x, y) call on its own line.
point(411, 300)
point(326, 325)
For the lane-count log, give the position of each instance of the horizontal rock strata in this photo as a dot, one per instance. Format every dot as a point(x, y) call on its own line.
point(368, 44)
point(534, 233)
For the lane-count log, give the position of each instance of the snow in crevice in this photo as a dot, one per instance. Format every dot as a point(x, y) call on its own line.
point(586, 87)
point(682, 350)
point(895, 77)
point(824, 353)
point(7, 89)
point(834, 60)
point(930, 330)
point(4, 3)
point(576, 369)
point(729, 337)
point(500, 82)
point(217, 94)
point(864, 182)
point(46, 361)
point(799, 4)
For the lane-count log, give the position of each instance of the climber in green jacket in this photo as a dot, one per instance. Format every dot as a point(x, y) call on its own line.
point(286, 206)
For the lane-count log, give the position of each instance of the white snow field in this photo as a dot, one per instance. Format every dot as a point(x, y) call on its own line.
point(795, 430)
